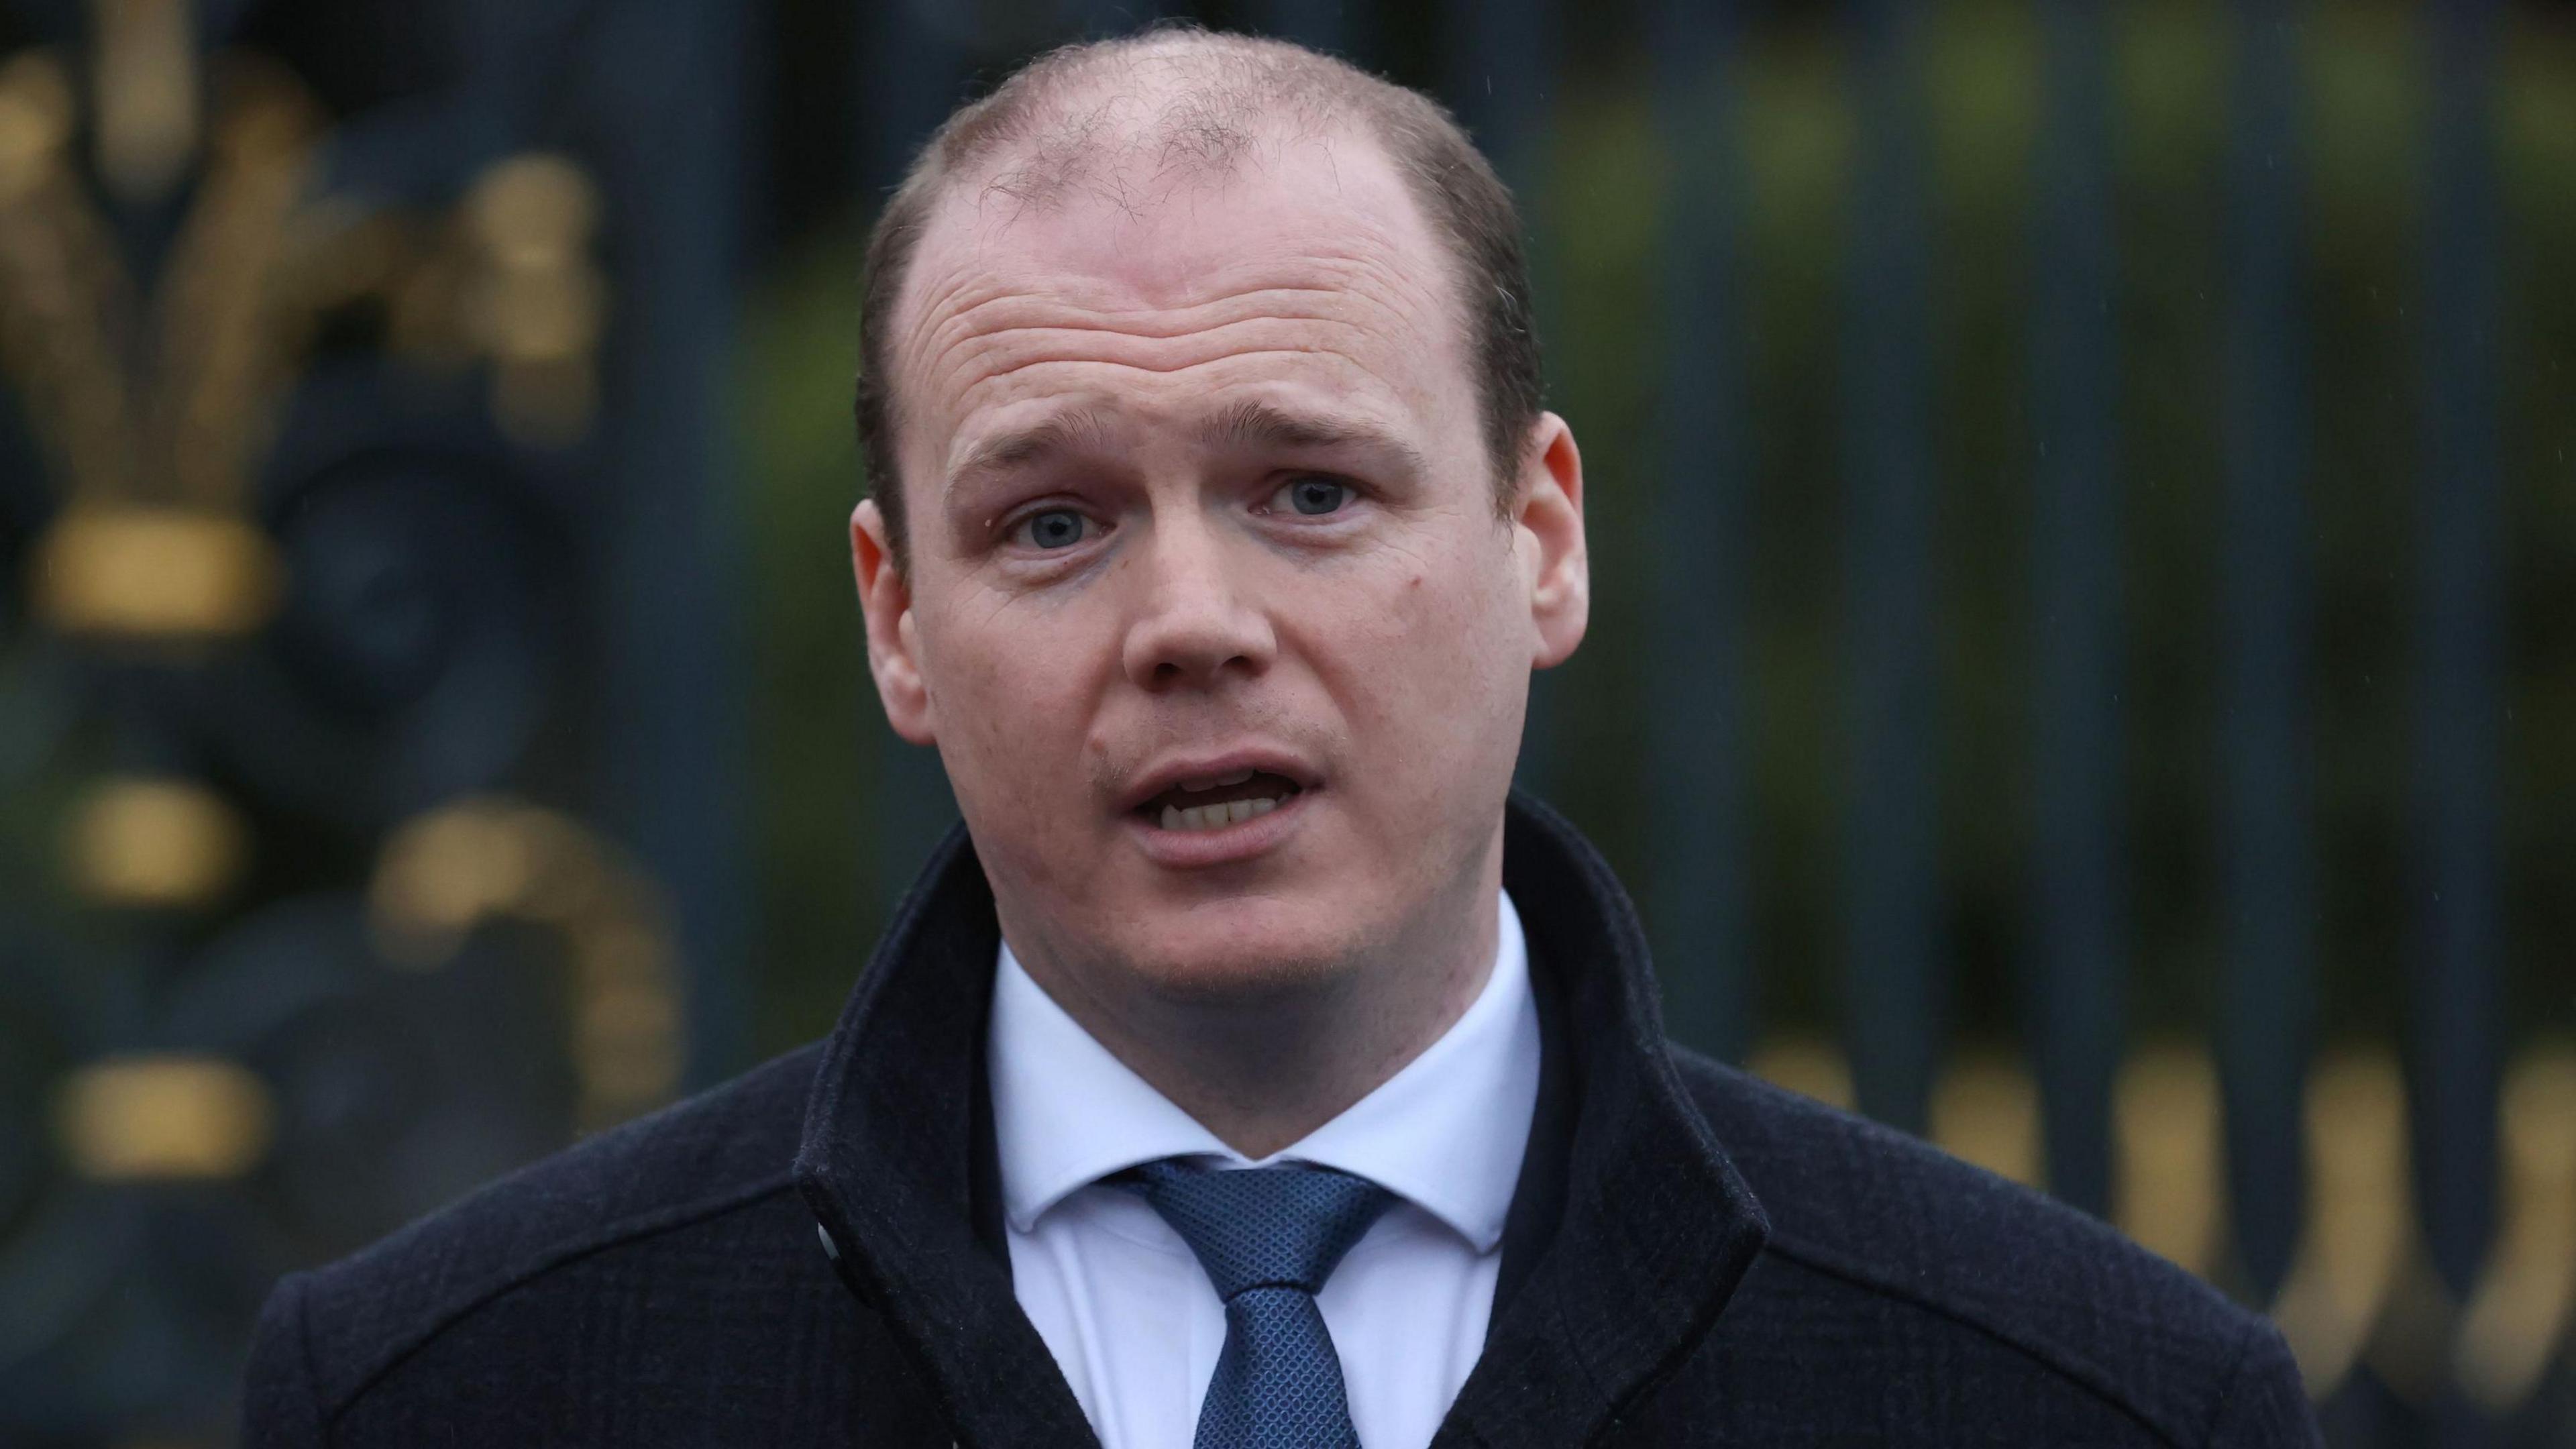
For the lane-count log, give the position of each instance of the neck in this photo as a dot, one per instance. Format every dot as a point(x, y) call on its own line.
point(1264, 1068)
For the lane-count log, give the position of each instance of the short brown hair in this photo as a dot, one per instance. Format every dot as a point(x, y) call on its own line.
point(1246, 79)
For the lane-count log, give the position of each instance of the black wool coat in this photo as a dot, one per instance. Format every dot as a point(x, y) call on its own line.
point(813, 1255)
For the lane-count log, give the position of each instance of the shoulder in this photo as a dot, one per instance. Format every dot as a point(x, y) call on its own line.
point(1960, 1251)
point(679, 1170)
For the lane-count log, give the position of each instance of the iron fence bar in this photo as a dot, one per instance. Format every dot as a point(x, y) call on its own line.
point(2075, 562)
point(2266, 998)
point(671, 768)
point(1694, 714)
point(1497, 77)
point(912, 74)
point(1897, 1001)
point(1497, 57)
point(2456, 1039)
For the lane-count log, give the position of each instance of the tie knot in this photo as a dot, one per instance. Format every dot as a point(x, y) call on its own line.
point(1263, 1227)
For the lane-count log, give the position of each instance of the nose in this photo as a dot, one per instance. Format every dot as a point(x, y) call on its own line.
point(1194, 623)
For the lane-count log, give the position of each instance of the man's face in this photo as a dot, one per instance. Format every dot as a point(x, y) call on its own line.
point(1209, 604)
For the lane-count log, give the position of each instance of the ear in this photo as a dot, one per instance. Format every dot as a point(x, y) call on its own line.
point(1548, 531)
point(894, 644)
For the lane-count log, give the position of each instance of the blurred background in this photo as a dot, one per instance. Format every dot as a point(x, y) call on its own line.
point(2085, 539)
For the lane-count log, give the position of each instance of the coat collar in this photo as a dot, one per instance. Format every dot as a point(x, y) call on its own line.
point(1629, 1234)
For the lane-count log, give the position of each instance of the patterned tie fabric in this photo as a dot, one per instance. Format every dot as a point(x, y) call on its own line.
point(1268, 1238)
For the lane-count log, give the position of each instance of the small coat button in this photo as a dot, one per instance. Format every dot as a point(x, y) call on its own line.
point(831, 1250)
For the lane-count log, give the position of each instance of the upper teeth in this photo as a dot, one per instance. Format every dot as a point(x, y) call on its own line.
point(1209, 817)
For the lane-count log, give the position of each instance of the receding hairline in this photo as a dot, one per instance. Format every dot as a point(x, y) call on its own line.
point(1072, 117)
point(1058, 118)
point(1141, 170)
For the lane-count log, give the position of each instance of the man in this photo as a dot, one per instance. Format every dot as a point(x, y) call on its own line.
point(1252, 1070)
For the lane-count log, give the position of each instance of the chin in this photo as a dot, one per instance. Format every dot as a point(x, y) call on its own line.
point(1247, 951)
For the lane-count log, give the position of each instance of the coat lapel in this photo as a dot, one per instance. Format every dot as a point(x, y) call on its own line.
point(1629, 1232)
point(1653, 1228)
point(889, 1167)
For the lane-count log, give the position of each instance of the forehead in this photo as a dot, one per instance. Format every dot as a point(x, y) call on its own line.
point(1306, 262)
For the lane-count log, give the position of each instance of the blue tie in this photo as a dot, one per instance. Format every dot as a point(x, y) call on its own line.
point(1268, 1238)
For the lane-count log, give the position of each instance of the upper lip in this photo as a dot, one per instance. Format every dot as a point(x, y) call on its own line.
point(1172, 770)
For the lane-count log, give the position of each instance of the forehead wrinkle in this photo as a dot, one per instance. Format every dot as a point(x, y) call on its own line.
point(1139, 322)
point(1356, 251)
point(1115, 342)
point(970, 222)
point(995, 317)
point(1178, 367)
point(1008, 358)
point(966, 351)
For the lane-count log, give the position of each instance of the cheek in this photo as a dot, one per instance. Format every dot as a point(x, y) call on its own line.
point(1434, 675)
point(1011, 686)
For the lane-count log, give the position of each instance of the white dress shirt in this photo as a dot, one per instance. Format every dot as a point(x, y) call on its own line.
point(1124, 1305)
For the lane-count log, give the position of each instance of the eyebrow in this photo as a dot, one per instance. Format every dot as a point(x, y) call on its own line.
point(1250, 425)
point(1070, 431)
point(1244, 426)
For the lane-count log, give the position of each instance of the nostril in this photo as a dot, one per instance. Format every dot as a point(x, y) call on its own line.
point(1174, 648)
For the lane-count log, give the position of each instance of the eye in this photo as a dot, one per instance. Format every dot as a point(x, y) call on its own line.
point(1052, 528)
point(1315, 497)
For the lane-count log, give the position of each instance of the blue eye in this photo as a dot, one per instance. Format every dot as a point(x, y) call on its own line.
point(1315, 497)
point(1052, 528)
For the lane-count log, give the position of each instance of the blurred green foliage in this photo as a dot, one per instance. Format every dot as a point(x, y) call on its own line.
point(813, 710)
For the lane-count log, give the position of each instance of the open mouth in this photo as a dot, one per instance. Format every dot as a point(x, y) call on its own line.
point(1213, 804)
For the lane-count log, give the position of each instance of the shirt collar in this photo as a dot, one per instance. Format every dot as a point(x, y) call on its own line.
point(1446, 1132)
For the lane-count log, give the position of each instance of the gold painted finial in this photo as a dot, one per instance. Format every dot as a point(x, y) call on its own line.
point(2360, 1220)
point(145, 78)
point(2525, 1304)
point(2172, 1193)
point(155, 843)
point(35, 121)
point(539, 305)
point(1985, 1110)
point(450, 870)
point(159, 1117)
point(155, 575)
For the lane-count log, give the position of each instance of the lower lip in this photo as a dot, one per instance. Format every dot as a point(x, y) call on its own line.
point(1224, 845)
